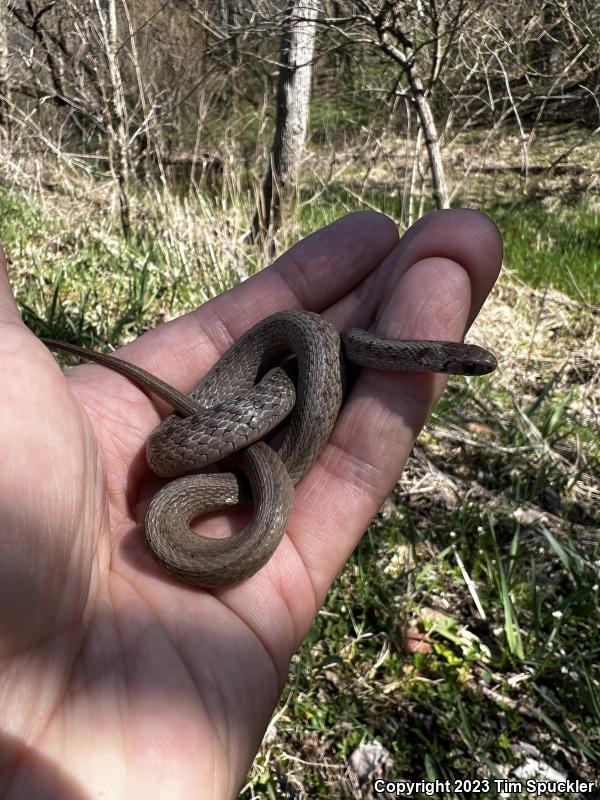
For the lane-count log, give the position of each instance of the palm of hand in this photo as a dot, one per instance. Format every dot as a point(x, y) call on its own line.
point(177, 684)
point(107, 643)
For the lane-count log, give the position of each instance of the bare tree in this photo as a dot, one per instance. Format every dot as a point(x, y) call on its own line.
point(463, 64)
point(292, 110)
point(529, 65)
point(418, 38)
point(164, 83)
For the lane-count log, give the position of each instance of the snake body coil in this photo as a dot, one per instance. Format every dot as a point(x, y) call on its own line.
point(245, 395)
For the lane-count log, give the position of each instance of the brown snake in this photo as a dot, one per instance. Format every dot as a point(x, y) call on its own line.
point(244, 396)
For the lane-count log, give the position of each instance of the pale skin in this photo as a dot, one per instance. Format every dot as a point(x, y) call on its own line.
point(115, 680)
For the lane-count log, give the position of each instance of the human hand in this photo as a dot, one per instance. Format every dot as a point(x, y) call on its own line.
point(115, 678)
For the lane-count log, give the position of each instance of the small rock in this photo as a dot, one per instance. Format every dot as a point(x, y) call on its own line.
point(369, 761)
point(532, 768)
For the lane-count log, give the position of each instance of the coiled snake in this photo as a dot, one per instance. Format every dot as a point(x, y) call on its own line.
point(244, 396)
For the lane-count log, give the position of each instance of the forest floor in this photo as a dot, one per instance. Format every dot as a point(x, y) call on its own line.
point(461, 641)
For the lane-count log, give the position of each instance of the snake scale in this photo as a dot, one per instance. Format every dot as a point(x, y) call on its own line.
point(253, 387)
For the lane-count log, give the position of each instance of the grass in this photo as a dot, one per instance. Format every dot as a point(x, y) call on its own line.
point(77, 278)
point(464, 628)
point(559, 250)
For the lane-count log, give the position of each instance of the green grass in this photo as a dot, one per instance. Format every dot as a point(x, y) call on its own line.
point(559, 250)
point(77, 278)
point(20, 223)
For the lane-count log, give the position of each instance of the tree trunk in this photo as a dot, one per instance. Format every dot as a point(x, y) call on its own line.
point(115, 110)
point(429, 129)
point(4, 64)
point(119, 114)
point(293, 104)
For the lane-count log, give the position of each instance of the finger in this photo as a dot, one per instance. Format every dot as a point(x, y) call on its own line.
point(435, 298)
point(467, 237)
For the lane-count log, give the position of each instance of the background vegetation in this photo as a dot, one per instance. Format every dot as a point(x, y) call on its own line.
point(138, 137)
